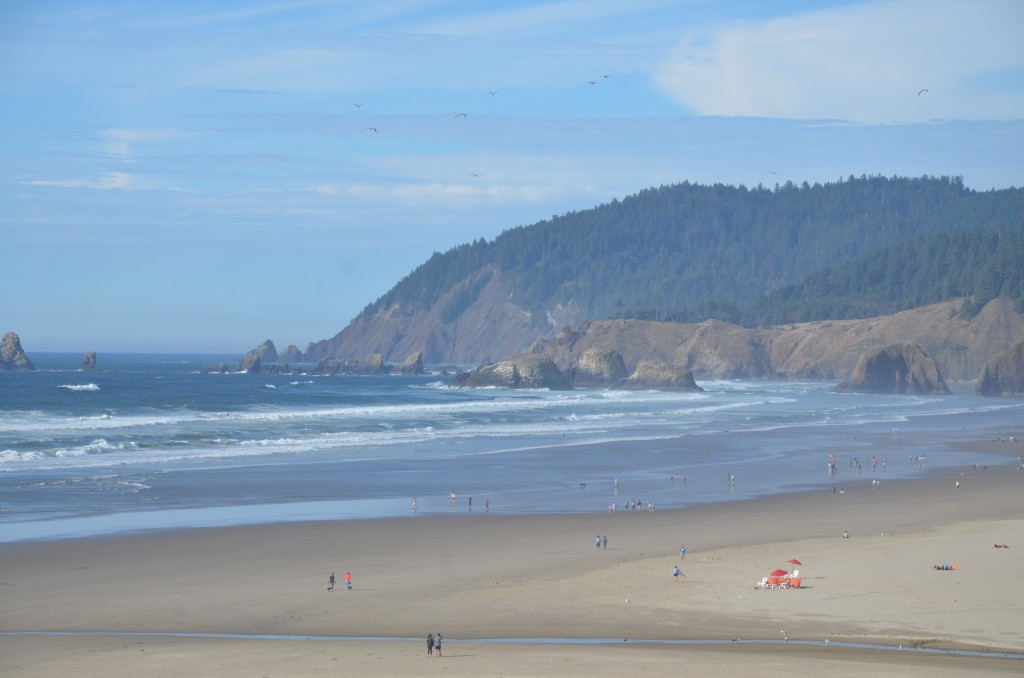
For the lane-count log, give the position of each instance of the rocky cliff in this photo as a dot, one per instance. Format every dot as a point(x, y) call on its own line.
point(89, 361)
point(896, 369)
point(1004, 374)
point(12, 357)
point(820, 350)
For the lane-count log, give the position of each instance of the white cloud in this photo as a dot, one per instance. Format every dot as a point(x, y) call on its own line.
point(121, 181)
point(864, 62)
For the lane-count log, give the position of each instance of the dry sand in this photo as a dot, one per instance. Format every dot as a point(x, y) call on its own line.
point(481, 576)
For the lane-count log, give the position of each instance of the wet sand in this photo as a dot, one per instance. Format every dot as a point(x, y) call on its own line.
point(482, 576)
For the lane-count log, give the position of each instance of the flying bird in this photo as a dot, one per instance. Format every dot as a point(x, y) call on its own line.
point(591, 82)
point(785, 635)
point(369, 129)
point(460, 115)
point(474, 174)
point(921, 91)
point(492, 92)
point(358, 105)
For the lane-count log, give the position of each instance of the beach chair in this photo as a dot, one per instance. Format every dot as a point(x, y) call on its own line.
point(794, 582)
point(773, 582)
point(763, 584)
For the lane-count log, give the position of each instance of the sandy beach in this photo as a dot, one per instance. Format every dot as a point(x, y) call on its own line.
point(487, 580)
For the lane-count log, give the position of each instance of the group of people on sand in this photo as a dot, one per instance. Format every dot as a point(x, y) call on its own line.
point(348, 582)
point(434, 645)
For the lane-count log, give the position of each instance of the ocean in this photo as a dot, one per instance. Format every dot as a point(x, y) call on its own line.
point(150, 442)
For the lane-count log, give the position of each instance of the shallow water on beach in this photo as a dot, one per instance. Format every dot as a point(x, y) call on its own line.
point(151, 442)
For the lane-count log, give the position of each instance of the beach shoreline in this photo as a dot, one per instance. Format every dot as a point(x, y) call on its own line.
point(480, 576)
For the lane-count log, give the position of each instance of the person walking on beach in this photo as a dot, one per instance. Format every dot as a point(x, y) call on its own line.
point(437, 645)
point(682, 552)
point(675, 573)
point(330, 582)
point(430, 644)
point(348, 581)
point(604, 542)
point(597, 541)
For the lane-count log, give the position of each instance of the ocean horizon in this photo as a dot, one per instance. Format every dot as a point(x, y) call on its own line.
point(151, 441)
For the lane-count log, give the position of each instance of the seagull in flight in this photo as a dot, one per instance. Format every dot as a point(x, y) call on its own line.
point(474, 174)
point(460, 115)
point(357, 105)
point(370, 129)
point(591, 82)
point(492, 92)
point(921, 91)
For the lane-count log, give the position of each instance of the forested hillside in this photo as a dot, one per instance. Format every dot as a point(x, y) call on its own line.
point(688, 251)
point(979, 265)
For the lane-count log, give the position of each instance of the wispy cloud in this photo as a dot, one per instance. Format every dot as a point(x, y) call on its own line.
point(120, 181)
point(862, 62)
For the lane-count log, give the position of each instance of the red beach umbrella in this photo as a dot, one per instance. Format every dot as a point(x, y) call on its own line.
point(794, 561)
point(778, 573)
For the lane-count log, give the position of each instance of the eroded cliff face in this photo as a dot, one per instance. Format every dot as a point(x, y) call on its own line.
point(896, 369)
point(820, 350)
point(1004, 374)
point(493, 328)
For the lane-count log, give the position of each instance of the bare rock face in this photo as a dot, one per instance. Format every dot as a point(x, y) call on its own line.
point(896, 369)
point(251, 363)
point(412, 365)
point(373, 363)
point(525, 370)
point(1004, 374)
point(89, 361)
point(598, 368)
point(291, 354)
point(660, 377)
point(12, 357)
point(267, 352)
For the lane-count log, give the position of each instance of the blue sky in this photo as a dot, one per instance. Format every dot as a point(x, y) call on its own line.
point(201, 176)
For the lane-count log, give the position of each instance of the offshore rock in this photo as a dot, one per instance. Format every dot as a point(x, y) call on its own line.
point(598, 368)
point(291, 354)
point(89, 361)
point(12, 357)
point(655, 376)
point(374, 364)
point(895, 369)
point(525, 370)
point(1004, 374)
point(412, 365)
point(250, 363)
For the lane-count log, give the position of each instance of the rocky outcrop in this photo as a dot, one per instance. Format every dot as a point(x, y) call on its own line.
point(896, 369)
point(1004, 374)
point(374, 364)
point(251, 363)
point(597, 368)
point(412, 365)
point(522, 371)
point(822, 350)
point(219, 368)
point(89, 361)
point(267, 352)
point(291, 354)
point(12, 357)
point(653, 376)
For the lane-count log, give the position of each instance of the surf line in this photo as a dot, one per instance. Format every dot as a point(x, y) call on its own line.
point(525, 641)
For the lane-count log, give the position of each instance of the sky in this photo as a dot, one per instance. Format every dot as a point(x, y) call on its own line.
point(197, 177)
